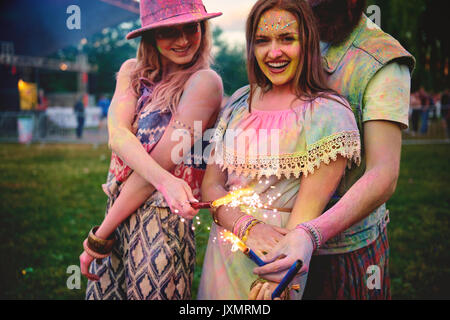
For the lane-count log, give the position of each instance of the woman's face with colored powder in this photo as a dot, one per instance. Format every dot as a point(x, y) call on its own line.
point(179, 44)
point(277, 46)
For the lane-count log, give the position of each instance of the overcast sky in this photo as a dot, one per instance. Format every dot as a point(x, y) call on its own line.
point(233, 19)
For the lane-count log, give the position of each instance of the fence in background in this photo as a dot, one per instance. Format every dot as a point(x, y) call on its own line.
point(56, 124)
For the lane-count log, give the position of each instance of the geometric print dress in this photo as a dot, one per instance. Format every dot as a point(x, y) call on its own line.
point(154, 254)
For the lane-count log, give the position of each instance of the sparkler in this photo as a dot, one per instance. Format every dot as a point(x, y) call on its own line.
point(230, 198)
point(244, 196)
point(293, 270)
point(238, 244)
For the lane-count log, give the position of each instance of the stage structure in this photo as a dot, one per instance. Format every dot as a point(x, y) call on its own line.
point(31, 30)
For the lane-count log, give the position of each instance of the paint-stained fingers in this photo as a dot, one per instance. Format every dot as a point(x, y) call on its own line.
point(282, 231)
point(268, 294)
point(188, 211)
point(255, 290)
point(261, 292)
point(276, 266)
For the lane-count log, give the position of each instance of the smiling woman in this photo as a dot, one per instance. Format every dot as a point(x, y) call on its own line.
point(283, 51)
point(164, 90)
point(277, 46)
point(179, 43)
point(289, 96)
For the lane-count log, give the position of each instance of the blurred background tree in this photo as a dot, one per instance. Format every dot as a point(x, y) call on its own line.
point(420, 27)
point(417, 24)
point(107, 49)
point(229, 62)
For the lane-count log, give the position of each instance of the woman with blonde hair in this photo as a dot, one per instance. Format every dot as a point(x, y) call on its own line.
point(290, 106)
point(161, 96)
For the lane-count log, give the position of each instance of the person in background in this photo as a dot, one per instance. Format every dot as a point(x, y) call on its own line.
point(373, 72)
point(41, 109)
point(103, 103)
point(436, 112)
point(80, 115)
point(445, 111)
point(427, 104)
point(416, 110)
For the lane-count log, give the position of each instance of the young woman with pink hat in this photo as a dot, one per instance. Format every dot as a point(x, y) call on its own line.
point(147, 234)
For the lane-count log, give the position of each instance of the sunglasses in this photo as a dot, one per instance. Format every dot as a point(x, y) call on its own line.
point(176, 32)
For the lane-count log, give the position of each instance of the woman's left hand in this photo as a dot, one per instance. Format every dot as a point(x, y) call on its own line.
point(263, 237)
point(85, 262)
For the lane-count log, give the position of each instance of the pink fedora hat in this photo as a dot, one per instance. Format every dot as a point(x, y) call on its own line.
point(166, 13)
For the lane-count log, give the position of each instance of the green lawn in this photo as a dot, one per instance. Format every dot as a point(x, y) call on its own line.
point(51, 195)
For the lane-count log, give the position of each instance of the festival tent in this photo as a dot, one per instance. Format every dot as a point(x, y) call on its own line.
point(32, 30)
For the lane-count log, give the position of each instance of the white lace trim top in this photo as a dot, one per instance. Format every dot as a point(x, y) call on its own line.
point(284, 143)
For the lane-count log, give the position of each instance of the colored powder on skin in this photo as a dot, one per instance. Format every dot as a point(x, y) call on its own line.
point(271, 25)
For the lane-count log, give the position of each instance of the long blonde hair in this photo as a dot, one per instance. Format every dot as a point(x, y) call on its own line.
point(168, 87)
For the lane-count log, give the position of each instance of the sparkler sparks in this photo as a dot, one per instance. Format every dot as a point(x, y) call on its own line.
point(235, 241)
point(246, 197)
point(238, 244)
point(232, 198)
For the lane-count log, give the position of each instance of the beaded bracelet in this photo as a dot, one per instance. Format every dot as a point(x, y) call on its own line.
point(313, 232)
point(244, 226)
point(247, 231)
point(238, 223)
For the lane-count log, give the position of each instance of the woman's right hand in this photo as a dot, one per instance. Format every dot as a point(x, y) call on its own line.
point(263, 237)
point(178, 196)
point(85, 262)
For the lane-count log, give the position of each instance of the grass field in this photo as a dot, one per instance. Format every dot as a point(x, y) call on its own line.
point(51, 196)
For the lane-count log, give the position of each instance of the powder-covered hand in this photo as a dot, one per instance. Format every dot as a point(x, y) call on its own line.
point(178, 196)
point(296, 245)
point(263, 237)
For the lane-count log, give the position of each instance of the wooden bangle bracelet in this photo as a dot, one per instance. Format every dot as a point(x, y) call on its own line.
point(99, 245)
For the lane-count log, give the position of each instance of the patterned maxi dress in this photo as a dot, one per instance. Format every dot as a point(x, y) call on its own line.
point(305, 137)
point(154, 255)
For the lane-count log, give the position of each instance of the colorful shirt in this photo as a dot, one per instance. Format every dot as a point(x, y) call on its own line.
point(270, 152)
point(150, 127)
point(388, 94)
point(371, 70)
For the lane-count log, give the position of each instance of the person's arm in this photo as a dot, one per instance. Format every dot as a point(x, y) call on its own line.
point(213, 187)
point(314, 193)
point(262, 237)
point(383, 143)
point(382, 140)
point(200, 102)
point(122, 139)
